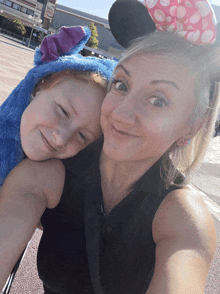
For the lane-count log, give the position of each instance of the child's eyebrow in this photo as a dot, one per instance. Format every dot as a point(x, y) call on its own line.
point(65, 100)
point(73, 108)
point(92, 133)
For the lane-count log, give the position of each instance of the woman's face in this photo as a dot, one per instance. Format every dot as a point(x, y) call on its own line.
point(147, 108)
point(61, 121)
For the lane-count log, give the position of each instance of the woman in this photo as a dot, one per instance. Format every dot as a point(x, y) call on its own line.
point(60, 78)
point(125, 213)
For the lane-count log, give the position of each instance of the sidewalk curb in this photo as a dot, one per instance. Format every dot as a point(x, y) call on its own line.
point(213, 207)
point(18, 43)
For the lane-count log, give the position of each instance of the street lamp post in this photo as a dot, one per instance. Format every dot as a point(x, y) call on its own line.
point(33, 25)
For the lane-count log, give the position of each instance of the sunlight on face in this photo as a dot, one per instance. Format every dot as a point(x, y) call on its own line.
point(61, 121)
point(147, 108)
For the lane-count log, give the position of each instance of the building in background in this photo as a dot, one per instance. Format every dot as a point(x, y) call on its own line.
point(65, 16)
point(216, 9)
point(24, 10)
point(29, 12)
point(54, 16)
point(48, 17)
point(48, 12)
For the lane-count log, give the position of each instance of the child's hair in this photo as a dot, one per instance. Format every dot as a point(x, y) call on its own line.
point(55, 79)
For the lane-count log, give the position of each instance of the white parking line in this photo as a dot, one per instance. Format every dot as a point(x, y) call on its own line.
point(213, 207)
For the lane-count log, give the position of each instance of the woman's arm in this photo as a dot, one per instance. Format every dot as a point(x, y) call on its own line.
point(28, 190)
point(184, 233)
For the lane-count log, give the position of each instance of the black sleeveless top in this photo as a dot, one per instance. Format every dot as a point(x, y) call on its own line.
point(82, 250)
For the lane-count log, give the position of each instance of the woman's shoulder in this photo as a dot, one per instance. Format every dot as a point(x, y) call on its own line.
point(183, 215)
point(185, 237)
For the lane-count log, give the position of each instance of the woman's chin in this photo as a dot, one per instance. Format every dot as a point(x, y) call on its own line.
point(117, 153)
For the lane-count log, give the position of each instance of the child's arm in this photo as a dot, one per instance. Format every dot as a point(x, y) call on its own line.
point(28, 190)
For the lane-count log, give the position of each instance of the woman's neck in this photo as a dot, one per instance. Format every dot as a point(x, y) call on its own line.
point(118, 178)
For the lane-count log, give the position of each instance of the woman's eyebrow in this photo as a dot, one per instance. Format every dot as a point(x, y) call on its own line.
point(153, 82)
point(124, 69)
point(165, 82)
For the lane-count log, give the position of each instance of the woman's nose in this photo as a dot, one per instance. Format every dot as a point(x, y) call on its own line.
point(125, 112)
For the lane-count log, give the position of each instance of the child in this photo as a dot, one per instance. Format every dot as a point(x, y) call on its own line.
point(53, 113)
point(34, 118)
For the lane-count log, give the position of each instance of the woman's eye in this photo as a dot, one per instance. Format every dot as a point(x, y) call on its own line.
point(64, 111)
point(83, 136)
point(158, 102)
point(120, 86)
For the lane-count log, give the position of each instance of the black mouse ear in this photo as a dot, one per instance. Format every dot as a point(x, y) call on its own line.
point(128, 20)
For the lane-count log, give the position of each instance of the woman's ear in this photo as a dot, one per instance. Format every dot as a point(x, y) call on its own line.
point(191, 132)
point(193, 129)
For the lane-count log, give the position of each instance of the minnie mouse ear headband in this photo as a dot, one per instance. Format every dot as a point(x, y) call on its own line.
point(58, 52)
point(194, 20)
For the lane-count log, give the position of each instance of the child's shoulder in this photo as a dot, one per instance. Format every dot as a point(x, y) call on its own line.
point(49, 165)
point(45, 177)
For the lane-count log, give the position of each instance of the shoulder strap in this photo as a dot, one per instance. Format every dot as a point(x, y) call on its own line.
point(7, 287)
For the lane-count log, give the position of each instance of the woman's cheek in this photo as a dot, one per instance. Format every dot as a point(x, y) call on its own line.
point(109, 104)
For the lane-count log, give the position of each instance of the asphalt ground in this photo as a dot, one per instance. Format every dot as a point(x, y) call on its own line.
point(15, 61)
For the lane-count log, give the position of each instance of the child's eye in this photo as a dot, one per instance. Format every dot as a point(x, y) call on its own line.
point(158, 102)
point(120, 86)
point(83, 136)
point(64, 111)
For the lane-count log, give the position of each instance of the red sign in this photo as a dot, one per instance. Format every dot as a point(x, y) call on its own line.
point(50, 10)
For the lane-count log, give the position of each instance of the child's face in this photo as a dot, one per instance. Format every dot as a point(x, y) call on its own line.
point(61, 121)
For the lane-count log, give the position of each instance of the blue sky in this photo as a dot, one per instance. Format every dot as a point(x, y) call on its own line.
point(95, 7)
point(98, 7)
point(215, 2)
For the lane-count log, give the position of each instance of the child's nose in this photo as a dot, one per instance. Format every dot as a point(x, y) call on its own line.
point(62, 137)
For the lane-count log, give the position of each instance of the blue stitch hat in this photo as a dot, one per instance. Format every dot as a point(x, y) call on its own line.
point(58, 52)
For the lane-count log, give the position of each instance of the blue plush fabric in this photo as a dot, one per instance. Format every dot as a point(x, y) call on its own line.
point(13, 107)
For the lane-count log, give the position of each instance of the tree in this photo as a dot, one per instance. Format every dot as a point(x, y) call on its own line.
point(28, 32)
point(2, 17)
point(14, 26)
point(93, 41)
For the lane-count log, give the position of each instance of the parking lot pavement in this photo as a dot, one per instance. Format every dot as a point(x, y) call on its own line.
point(26, 280)
point(207, 176)
point(15, 61)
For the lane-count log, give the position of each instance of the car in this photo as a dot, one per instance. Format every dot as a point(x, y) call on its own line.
point(217, 126)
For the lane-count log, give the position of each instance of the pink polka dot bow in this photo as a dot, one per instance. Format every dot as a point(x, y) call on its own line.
point(192, 19)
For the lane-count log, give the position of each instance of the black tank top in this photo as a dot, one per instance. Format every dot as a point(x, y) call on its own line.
point(82, 250)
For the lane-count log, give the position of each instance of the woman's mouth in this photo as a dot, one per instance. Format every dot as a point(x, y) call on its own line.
point(122, 133)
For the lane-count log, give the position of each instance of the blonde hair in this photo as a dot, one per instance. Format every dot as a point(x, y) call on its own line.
point(203, 61)
point(55, 79)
